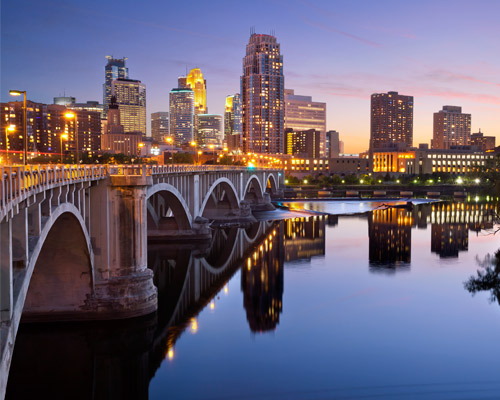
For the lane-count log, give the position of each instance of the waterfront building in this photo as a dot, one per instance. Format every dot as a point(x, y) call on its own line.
point(303, 143)
point(391, 161)
point(115, 140)
point(451, 128)
point(482, 142)
point(391, 120)
point(131, 98)
point(262, 96)
point(302, 114)
point(332, 146)
point(209, 130)
point(181, 115)
point(114, 69)
point(232, 122)
point(160, 126)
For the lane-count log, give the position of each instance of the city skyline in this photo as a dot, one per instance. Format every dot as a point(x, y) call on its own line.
point(336, 54)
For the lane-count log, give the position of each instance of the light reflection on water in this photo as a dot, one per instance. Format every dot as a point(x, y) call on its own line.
point(360, 306)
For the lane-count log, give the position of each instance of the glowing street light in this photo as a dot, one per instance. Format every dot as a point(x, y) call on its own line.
point(72, 115)
point(25, 128)
point(65, 137)
point(11, 128)
point(171, 142)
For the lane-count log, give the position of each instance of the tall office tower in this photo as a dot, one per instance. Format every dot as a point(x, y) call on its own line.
point(262, 96)
point(182, 82)
point(181, 115)
point(232, 122)
point(303, 143)
point(114, 69)
point(198, 85)
point(209, 130)
point(131, 98)
point(451, 128)
point(88, 106)
point(159, 125)
point(332, 144)
point(301, 114)
point(391, 120)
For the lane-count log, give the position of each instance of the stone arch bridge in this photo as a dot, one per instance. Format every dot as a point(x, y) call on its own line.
point(73, 239)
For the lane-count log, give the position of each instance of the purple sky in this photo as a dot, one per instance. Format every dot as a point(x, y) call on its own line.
point(339, 52)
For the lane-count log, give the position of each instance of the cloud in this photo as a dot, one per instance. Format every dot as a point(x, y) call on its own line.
point(449, 76)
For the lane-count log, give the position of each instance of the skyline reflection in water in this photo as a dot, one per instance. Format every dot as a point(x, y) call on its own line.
point(204, 289)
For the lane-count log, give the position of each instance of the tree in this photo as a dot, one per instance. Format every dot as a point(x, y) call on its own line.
point(183, 158)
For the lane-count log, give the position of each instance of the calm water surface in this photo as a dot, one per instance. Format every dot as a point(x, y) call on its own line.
point(348, 307)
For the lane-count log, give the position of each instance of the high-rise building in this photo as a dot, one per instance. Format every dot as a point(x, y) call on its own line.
point(181, 115)
point(262, 96)
point(114, 69)
point(332, 144)
point(391, 120)
point(88, 106)
point(198, 85)
point(303, 143)
point(209, 130)
point(301, 114)
point(64, 100)
point(451, 128)
point(159, 125)
point(131, 98)
point(232, 122)
point(482, 142)
point(115, 140)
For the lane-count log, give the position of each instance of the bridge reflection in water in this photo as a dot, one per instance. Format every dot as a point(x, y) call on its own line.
point(117, 360)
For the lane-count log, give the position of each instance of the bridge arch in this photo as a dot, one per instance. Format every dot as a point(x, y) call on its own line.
point(222, 195)
point(253, 190)
point(60, 273)
point(171, 200)
point(271, 184)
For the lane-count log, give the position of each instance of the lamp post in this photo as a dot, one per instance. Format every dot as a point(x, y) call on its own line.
point(10, 128)
point(72, 115)
point(25, 128)
point(171, 142)
point(212, 147)
point(65, 137)
point(199, 152)
point(193, 144)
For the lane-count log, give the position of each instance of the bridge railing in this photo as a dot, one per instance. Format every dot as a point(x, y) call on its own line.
point(169, 169)
point(20, 181)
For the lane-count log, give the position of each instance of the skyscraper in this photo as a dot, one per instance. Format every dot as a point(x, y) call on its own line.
point(181, 115)
point(232, 122)
point(198, 85)
point(114, 69)
point(451, 128)
point(159, 125)
point(391, 120)
point(332, 144)
point(303, 143)
point(262, 96)
point(302, 114)
point(131, 98)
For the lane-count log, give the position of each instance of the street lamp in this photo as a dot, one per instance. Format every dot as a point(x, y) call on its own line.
point(25, 128)
point(199, 153)
point(171, 141)
point(10, 128)
point(212, 147)
point(72, 115)
point(65, 137)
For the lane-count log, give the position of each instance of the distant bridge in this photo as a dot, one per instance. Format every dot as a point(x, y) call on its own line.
point(76, 236)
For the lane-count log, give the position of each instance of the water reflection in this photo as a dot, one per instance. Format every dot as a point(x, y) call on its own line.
point(305, 237)
point(487, 279)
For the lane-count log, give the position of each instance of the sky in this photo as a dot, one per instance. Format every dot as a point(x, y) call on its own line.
point(338, 52)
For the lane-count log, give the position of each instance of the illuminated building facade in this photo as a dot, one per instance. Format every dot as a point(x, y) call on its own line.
point(88, 106)
point(391, 120)
point(160, 126)
point(482, 142)
point(303, 143)
point(262, 280)
point(115, 140)
point(262, 96)
point(64, 100)
point(303, 114)
point(181, 115)
point(232, 122)
point(389, 232)
point(209, 130)
point(391, 161)
point(451, 128)
point(131, 98)
point(114, 69)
